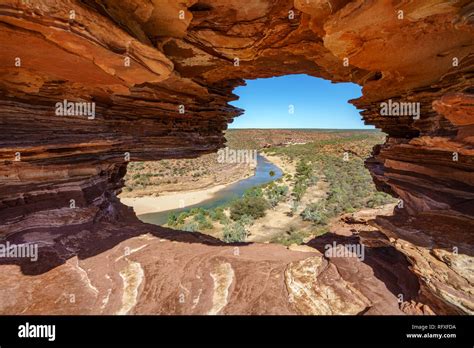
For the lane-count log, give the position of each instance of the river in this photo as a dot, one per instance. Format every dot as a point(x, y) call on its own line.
point(235, 190)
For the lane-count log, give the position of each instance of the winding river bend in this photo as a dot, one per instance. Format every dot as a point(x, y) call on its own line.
point(235, 190)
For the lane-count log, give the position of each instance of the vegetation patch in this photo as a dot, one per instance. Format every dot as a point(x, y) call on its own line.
point(337, 161)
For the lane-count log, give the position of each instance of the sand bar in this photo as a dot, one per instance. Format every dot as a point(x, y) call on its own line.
point(170, 200)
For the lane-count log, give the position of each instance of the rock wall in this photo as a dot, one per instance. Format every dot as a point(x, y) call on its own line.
point(161, 74)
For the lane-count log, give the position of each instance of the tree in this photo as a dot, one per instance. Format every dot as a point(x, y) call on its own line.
point(252, 206)
point(172, 219)
point(234, 232)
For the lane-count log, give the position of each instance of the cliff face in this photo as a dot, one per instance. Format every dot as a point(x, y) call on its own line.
point(161, 74)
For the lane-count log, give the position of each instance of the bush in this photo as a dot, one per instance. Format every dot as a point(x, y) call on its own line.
point(234, 232)
point(246, 220)
point(316, 213)
point(202, 221)
point(252, 206)
point(302, 178)
point(195, 211)
point(275, 194)
point(253, 192)
point(172, 219)
point(217, 214)
point(378, 199)
point(181, 218)
point(303, 169)
point(299, 190)
point(313, 180)
point(294, 205)
point(205, 225)
point(292, 236)
point(191, 227)
point(199, 217)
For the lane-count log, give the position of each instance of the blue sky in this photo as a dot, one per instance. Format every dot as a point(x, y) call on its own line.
point(317, 104)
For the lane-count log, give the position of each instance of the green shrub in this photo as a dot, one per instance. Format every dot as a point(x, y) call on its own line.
point(190, 227)
point(313, 180)
point(202, 221)
point(316, 213)
point(195, 211)
point(234, 232)
point(294, 205)
point(292, 236)
point(378, 199)
point(199, 217)
point(253, 192)
point(299, 190)
point(303, 169)
point(275, 194)
point(216, 214)
point(205, 225)
point(172, 219)
point(251, 205)
point(182, 218)
point(246, 220)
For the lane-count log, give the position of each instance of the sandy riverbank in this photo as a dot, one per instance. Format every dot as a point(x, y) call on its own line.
point(282, 163)
point(170, 200)
point(175, 200)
